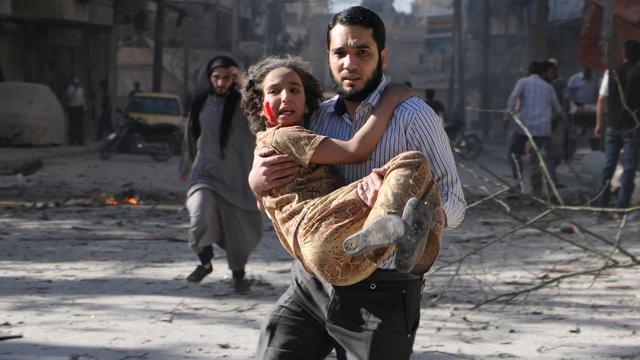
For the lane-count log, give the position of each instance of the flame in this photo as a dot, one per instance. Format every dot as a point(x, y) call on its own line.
point(129, 200)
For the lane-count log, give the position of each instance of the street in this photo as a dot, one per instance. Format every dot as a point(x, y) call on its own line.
point(85, 280)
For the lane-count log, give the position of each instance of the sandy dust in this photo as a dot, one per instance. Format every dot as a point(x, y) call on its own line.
point(81, 280)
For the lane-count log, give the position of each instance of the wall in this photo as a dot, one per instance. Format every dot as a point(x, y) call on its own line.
point(52, 9)
point(49, 41)
point(6, 7)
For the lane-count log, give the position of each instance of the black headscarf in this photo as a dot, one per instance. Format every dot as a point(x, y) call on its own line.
point(230, 104)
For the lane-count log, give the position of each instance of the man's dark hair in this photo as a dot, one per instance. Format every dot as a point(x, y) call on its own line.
point(430, 94)
point(230, 103)
point(535, 67)
point(546, 65)
point(632, 50)
point(253, 96)
point(220, 61)
point(359, 15)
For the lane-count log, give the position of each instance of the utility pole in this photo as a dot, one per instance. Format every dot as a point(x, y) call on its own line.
point(486, 70)
point(235, 28)
point(185, 74)
point(157, 46)
point(458, 47)
point(607, 33)
point(540, 30)
point(275, 26)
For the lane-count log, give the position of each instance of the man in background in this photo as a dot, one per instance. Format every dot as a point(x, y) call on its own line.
point(216, 159)
point(582, 92)
point(76, 106)
point(622, 128)
point(137, 88)
point(436, 105)
point(537, 104)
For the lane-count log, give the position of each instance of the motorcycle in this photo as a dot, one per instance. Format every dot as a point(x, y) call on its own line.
point(160, 141)
point(466, 143)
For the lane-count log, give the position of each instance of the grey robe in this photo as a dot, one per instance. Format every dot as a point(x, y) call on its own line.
point(227, 178)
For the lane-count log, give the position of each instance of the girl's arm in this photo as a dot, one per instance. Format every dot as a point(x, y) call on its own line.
point(358, 149)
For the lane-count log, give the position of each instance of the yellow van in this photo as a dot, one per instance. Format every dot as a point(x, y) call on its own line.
point(156, 108)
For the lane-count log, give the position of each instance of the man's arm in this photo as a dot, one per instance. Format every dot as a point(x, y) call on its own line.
point(600, 104)
point(191, 132)
point(270, 170)
point(555, 105)
point(364, 141)
point(511, 102)
point(238, 76)
point(186, 160)
point(426, 134)
point(557, 108)
point(515, 95)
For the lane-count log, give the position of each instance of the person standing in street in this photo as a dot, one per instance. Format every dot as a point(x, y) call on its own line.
point(537, 104)
point(375, 318)
point(582, 92)
point(622, 128)
point(559, 130)
point(76, 106)
point(216, 159)
point(436, 105)
point(137, 88)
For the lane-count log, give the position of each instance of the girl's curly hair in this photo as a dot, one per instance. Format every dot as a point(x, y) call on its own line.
point(252, 96)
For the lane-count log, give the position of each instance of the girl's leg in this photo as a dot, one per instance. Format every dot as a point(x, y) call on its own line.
point(329, 220)
point(332, 218)
point(408, 175)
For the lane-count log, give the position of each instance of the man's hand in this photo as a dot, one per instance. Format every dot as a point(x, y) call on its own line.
point(270, 170)
point(369, 186)
point(597, 131)
point(236, 73)
point(399, 92)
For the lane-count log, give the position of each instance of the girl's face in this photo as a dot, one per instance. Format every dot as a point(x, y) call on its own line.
point(283, 90)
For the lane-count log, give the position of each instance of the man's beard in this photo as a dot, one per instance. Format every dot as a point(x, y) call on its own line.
point(359, 95)
point(217, 92)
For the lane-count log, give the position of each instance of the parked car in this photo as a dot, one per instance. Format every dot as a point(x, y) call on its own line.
point(158, 111)
point(156, 108)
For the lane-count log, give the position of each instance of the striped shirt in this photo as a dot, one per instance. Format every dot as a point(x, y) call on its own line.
point(414, 126)
point(538, 102)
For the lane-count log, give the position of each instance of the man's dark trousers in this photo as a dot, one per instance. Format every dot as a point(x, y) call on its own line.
point(376, 318)
point(516, 149)
point(76, 125)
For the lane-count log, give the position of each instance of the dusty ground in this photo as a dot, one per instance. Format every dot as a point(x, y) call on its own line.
point(81, 280)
